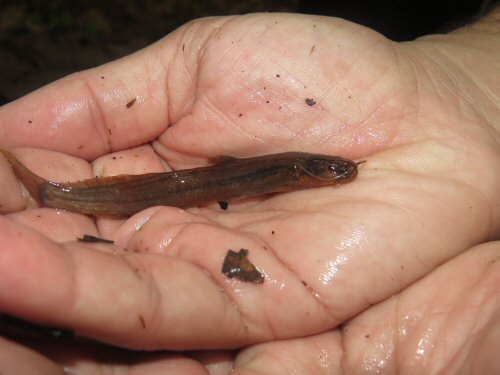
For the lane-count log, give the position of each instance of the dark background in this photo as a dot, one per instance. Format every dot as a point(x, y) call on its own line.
point(42, 40)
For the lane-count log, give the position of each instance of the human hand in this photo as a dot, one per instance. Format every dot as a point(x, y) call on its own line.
point(422, 114)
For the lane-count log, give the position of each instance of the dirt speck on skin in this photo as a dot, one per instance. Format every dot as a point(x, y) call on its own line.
point(223, 205)
point(310, 102)
point(131, 103)
point(93, 239)
point(142, 321)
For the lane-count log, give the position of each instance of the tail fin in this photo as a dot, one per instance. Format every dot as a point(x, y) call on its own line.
point(31, 181)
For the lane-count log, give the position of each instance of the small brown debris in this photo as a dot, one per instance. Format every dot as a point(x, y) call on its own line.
point(237, 265)
point(224, 205)
point(310, 102)
point(131, 103)
point(143, 322)
point(93, 239)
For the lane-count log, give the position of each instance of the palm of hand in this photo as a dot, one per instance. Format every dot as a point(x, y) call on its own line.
point(327, 254)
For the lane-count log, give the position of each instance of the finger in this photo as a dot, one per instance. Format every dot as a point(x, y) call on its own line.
point(440, 324)
point(318, 354)
point(92, 358)
point(169, 302)
point(217, 362)
point(16, 359)
point(132, 364)
point(176, 300)
point(114, 106)
point(56, 225)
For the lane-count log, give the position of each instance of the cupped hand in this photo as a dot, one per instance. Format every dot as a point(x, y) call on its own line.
point(422, 114)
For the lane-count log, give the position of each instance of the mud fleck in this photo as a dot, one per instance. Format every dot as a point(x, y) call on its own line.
point(131, 103)
point(310, 102)
point(236, 265)
point(93, 239)
point(224, 205)
point(142, 321)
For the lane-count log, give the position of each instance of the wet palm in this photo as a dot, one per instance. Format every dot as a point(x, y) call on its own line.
point(390, 257)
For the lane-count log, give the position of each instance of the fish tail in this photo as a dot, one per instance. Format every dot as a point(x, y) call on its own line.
point(31, 181)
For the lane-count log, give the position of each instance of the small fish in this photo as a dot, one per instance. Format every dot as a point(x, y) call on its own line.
point(230, 179)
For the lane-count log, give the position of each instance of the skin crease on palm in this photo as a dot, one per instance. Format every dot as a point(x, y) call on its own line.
point(395, 272)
